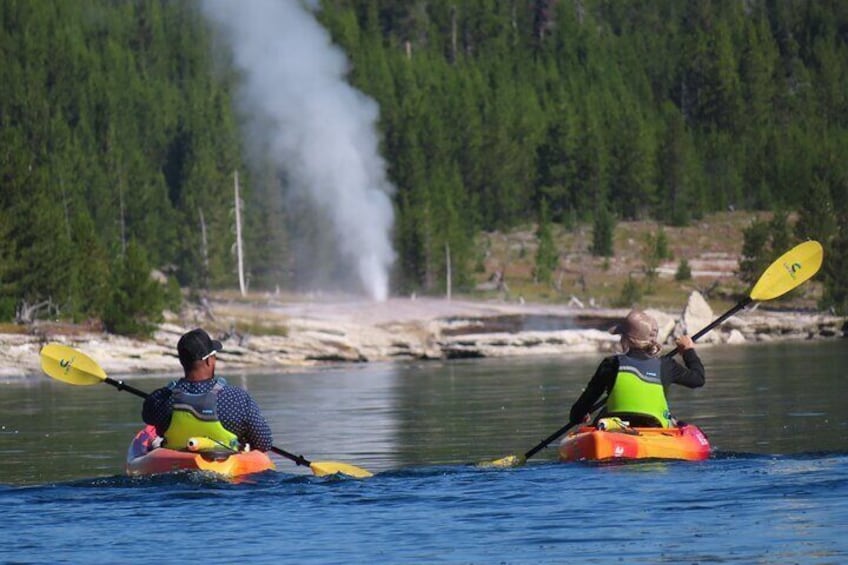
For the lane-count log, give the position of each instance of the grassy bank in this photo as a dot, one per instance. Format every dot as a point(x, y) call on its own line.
point(711, 247)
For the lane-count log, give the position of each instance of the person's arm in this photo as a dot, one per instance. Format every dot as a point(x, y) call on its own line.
point(691, 375)
point(600, 383)
point(240, 414)
point(156, 409)
point(257, 431)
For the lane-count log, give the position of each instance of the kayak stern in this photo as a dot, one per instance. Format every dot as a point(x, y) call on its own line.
point(588, 443)
point(145, 459)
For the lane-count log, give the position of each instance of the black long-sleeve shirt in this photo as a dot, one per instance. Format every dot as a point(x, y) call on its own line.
point(671, 372)
point(237, 411)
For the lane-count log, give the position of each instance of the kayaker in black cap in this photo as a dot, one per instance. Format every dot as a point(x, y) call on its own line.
point(636, 380)
point(203, 405)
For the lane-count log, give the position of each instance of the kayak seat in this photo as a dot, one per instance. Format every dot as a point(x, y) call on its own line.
point(216, 455)
point(636, 420)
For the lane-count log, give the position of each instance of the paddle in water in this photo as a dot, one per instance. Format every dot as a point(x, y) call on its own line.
point(74, 367)
point(786, 273)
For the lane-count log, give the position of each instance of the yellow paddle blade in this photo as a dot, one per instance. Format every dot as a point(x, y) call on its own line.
point(508, 461)
point(325, 468)
point(69, 365)
point(789, 271)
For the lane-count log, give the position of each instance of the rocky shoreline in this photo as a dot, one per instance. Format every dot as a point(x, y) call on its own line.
point(325, 330)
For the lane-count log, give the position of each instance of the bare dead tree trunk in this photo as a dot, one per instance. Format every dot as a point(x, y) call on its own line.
point(123, 218)
point(453, 33)
point(26, 313)
point(448, 269)
point(239, 254)
point(66, 208)
point(119, 173)
point(204, 250)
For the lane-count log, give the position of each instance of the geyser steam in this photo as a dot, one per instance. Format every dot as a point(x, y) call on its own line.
point(320, 131)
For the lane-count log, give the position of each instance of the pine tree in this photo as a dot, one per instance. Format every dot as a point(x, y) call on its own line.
point(603, 229)
point(8, 269)
point(684, 271)
point(547, 256)
point(817, 216)
point(136, 300)
point(835, 272)
point(756, 251)
point(676, 203)
point(631, 169)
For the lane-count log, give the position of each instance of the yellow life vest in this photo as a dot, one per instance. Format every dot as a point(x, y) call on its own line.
point(638, 390)
point(196, 416)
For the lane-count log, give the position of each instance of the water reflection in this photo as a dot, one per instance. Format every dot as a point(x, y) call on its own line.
point(346, 414)
point(775, 398)
point(759, 399)
point(469, 411)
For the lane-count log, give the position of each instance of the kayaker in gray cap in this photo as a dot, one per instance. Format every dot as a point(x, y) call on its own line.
point(636, 380)
point(203, 405)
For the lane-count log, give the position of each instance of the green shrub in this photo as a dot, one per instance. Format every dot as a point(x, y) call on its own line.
point(631, 294)
point(684, 273)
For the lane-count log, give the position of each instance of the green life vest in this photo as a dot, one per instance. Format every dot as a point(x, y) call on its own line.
point(638, 390)
point(196, 416)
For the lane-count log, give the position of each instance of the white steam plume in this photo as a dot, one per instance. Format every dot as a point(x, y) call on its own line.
point(321, 132)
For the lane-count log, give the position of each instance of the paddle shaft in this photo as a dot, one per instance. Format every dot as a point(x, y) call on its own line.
point(545, 442)
point(299, 459)
point(784, 274)
point(121, 385)
point(549, 439)
point(739, 305)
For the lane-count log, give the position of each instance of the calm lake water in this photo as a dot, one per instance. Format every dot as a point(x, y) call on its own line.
point(774, 491)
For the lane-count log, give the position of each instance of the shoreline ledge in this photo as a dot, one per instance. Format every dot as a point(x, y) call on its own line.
point(326, 330)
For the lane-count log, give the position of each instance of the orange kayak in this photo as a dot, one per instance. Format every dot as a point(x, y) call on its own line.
point(589, 443)
point(144, 459)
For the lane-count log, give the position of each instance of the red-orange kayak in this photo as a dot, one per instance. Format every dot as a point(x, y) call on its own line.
point(144, 459)
point(589, 443)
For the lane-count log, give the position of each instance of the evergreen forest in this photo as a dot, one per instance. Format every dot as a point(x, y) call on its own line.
point(120, 136)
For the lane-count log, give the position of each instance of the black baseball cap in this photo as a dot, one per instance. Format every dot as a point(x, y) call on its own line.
point(196, 345)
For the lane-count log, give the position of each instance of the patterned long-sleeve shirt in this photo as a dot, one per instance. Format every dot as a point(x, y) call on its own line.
point(237, 411)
